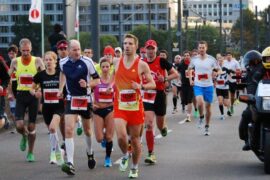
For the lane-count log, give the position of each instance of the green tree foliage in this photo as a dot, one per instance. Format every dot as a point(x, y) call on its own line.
point(24, 29)
point(249, 31)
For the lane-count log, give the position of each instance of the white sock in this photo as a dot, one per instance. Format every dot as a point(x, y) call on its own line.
point(54, 142)
point(79, 122)
point(89, 144)
point(69, 149)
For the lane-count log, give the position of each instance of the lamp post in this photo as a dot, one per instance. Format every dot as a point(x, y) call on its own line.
point(149, 19)
point(241, 27)
point(119, 25)
point(179, 25)
point(95, 29)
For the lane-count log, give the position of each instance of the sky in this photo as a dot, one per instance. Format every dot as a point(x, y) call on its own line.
point(262, 4)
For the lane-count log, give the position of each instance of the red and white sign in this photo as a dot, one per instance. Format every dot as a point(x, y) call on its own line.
point(35, 11)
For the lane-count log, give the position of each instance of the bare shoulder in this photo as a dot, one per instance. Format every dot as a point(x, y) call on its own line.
point(143, 66)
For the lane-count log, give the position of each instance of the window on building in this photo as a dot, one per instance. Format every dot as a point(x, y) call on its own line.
point(162, 6)
point(138, 6)
point(127, 17)
point(25, 7)
point(200, 6)
point(115, 28)
point(215, 13)
point(127, 27)
point(194, 5)
point(225, 21)
point(230, 21)
point(162, 16)
point(115, 17)
point(49, 7)
point(83, 8)
point(59, 7)
point(15, 18)
point(14, 7)
point(60, 17)
point(114, 7)
point(105, 17)
point(225, 13)
point(215, 5)
point(127, 7)
point(51, 17)
point(230, 13)
point(104, 7)
point(153, 16)
point(152, 6)
point(230, 5)
point(3, 40)
point(224, 5)
point(4, 18)
point(104, 28)
point(3, 29)
point(162, 26)
point(205, 6)
point(209, 14)
point(138, 17)
point(210, 5)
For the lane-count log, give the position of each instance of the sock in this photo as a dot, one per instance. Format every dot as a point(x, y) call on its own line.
point(221, 109)
point(70, 149)
point(174, 101)
point(150, 140)
point(237, 94)
point(109, 146)
point(134, 166)
point(196, 109)
point(202, 117)
point(54, 142)
point(89, 144)
point(79, 123)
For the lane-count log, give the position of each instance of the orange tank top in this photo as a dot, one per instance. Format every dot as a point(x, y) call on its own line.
point(126, 98)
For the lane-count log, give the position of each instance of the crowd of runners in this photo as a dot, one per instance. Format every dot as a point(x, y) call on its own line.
point(124, 93)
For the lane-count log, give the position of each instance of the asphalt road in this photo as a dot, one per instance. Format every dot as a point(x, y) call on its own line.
point(184, 154)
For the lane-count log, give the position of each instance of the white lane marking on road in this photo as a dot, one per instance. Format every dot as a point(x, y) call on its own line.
point(182, 122)
point(160, 136)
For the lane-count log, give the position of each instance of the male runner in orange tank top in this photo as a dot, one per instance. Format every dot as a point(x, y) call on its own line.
point(128, 106)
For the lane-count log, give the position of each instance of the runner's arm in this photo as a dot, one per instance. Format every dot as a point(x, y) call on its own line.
point(39, 64)
point(149, 78)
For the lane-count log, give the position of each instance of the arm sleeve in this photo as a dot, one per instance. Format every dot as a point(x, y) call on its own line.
point(36, 78)
point(4, 75)
point(164, 64)
point(92, 70)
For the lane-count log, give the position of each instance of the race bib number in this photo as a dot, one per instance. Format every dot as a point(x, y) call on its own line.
point(128, 100)
point(50, 96)
point(79, 102)
point(202, 77)
point(149, 96)
point(220, 82)
point(26, 80)
point(263, 90)
point(13, 77)
point(105, 96)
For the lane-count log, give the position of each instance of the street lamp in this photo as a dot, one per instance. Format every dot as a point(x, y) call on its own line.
point(120, 28)
point(149, 19)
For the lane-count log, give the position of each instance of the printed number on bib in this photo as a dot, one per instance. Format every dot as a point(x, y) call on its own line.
point(105, 96)
point(26, 80)
point(202, 77)
point(50, 96)
point(187, 73)
point(79, 103)
point(128, 100)
point(220, 82)
point(149, 96)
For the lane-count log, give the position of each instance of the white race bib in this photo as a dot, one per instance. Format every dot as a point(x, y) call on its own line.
point(26, 80)
point(263, 90)
point(128, 100)
point(104, 96)
point(149, 96)
point(80, 102)
point(50, 96)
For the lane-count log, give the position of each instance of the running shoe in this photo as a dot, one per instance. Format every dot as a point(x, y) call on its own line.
point(79, 128)
point(7, 123)
point(196, 114)
point(222, 117)
point(133, 173)
point(103, 143)
point(232, 110)
point(200, 123)
point(236, 102)
point(59, 155)
point(229, 113)
point(151, 159)
point(63, 146)
point(108, 162)
point(53, 158)
point(91, 161)
point(164, 131)
point(206, 131)
point(174, 111)
point(30, 157)
point(123, 164)
point(23, 143)
point(188, 119)
point(68, 168)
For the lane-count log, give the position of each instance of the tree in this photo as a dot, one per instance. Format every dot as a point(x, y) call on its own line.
point(24, 29)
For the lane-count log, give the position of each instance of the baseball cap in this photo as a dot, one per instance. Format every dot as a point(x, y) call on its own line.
point(149, 43)
point(62, 44)
point(118, 49)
